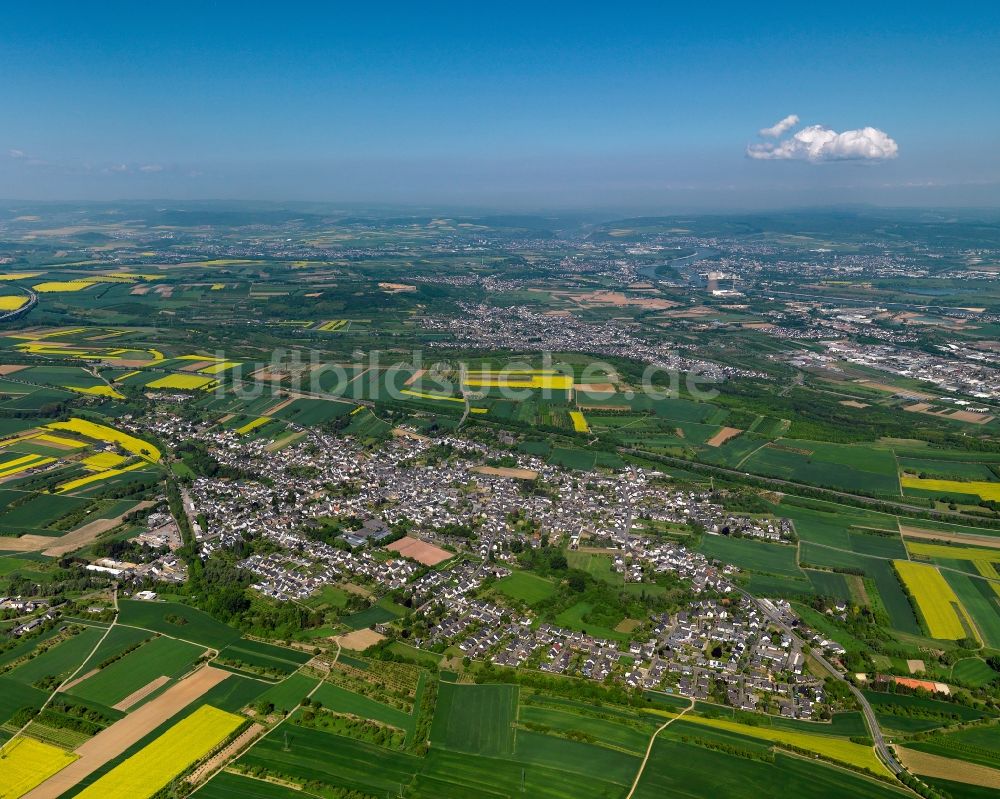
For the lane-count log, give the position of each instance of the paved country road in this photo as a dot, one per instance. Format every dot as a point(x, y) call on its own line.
point(876, 731)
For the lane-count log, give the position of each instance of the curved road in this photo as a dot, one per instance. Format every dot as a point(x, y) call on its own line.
point(880, 743)
point(31, 303)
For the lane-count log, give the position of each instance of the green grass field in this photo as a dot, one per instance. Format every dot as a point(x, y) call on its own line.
point(332, 760)
point(526, 587)
point(15, 695)
point(981, 602)
point(977, 745)
point(838, 466)
point(159, 657)
point(632, 737)
point(477, 719)
point(752, 555)
point(60, 660)
point(690, 771)
point(596, 565)
point(256, 653)
point(341, 700)
point(974, 671)
point(574, 618)
point(226, 785)
point(289, 693)
point(163, 617)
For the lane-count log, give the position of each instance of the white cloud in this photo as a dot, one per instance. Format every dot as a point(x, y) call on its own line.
point(817, 144)
point(778, 128)
point(118, 168)
point(17, 154)
point(151, 168)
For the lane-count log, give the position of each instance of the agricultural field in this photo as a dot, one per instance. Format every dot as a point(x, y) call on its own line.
point(477, 719)
point(25, 763)
point(979, 745)
point(981, 601)
point(756, 556)
point(159, 657)
point(842, 467)
point(165, 313)
point(526, 587)
point(60, 660)
point(184, 382)
point(940, 607)
point(171, 754)
point(180, 621)
point(104, 433)
point(690, 770)
point(988, 490)
point(847, 752)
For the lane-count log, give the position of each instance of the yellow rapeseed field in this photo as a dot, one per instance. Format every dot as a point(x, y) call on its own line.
point(26, 763)
point(579, 422)
point(425, 395)
point(93, 478)
point(155, 765)
point(12, 302)
point(102, 461)
point(938, 603)
point(953, 552)
point(63, 285)
point(983, 488)
point(181, 381)
point(19, 465)
point(221, 366)
point(19, 275)
point(97, 391)
point(515, 380)
point(857, 755)
point(60, 441)
point(102, 432)
point(253, 425)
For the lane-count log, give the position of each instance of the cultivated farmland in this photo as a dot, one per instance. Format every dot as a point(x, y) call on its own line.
point(942, 612)
point(478, 719)
point(154, 766)
point(25, 763)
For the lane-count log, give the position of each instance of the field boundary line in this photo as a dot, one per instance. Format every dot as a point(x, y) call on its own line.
point(76, 671)
point(739, 465)
point(259, 738)
point(649, 747)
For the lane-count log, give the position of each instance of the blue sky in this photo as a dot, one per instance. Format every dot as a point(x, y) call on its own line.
point(639, 106)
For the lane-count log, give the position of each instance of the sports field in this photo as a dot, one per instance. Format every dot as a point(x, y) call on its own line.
point(938, 603)
point(155, 765)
